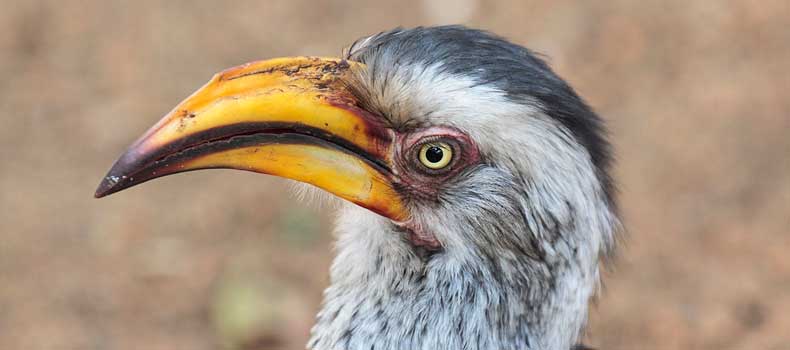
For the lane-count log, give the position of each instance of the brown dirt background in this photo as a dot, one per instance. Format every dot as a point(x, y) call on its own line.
point(695, 93)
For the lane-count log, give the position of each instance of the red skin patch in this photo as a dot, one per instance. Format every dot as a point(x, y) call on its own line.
point(420, 183)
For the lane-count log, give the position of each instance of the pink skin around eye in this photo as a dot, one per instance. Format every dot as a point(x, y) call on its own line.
point(407, 168)
point(427, 186)
point(408, 140)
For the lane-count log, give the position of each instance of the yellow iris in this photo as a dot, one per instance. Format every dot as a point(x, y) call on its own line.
point(436, 155)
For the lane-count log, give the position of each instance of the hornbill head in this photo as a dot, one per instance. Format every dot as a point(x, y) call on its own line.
point(483, 178)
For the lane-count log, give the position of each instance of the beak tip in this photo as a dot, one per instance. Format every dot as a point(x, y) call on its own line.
point(118, 177)
point(105, 187)
point(111, 183)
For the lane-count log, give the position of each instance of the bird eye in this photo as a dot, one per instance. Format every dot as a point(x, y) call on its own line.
point(436, 155)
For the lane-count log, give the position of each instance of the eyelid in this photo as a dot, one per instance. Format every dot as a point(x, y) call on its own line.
point(465, 154)
point(434, 139)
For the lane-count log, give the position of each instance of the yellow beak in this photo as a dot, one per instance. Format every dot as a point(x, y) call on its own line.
point(288, 117)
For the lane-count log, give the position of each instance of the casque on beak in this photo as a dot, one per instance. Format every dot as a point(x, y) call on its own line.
point(288, 117)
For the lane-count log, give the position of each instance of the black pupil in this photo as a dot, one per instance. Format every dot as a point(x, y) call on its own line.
point(434, 154)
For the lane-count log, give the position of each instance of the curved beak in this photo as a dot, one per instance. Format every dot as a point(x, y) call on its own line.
point(288, 117)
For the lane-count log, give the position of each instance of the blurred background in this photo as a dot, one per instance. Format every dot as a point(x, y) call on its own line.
point(695, 93)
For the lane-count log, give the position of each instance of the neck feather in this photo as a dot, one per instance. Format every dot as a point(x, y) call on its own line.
point(385, 294)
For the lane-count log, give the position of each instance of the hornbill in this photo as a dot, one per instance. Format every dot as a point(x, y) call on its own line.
point(478, 203)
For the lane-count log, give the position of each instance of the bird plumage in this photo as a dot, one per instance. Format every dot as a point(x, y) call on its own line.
point(491, 242)
point(521, 233)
